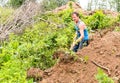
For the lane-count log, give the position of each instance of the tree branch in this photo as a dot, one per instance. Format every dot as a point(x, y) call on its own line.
point(105, 68)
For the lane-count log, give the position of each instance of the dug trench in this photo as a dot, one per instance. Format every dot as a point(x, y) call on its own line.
point(102, 52)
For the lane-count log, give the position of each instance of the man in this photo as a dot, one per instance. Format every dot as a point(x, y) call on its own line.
point(81, 35)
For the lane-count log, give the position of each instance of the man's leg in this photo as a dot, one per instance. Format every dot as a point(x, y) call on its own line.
point(81, 44)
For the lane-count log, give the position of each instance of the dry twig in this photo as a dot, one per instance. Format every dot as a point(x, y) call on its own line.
point(105, 68)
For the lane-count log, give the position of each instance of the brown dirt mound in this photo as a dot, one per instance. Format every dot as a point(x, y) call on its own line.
point(103, 52)
point(74, 5)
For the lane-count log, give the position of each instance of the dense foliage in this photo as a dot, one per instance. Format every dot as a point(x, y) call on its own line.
point(100, 21)
point(34, 48)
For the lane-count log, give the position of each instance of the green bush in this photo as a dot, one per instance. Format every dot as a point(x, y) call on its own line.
point(66, 15)
point(14, 71)
point(117, 29)
point(98, 20)
point(102, 77)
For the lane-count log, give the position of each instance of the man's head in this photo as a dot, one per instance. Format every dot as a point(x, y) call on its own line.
point(75, 16)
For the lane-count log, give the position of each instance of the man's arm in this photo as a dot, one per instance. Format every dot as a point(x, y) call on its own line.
point(82, 27)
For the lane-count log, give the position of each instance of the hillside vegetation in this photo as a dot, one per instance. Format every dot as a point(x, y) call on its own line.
point(35, 47)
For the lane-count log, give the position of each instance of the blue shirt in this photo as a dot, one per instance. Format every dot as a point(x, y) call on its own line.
point(78, 31)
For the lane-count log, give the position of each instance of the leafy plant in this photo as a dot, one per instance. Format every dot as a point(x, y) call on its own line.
point(66, 15)
point(117, 29)
point(86, 58)
point(102, 77)
point(98, 20)
point(14, 71)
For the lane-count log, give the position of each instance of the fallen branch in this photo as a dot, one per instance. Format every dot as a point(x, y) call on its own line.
point(105, 68)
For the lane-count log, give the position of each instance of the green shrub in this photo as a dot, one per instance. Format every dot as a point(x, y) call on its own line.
point(14, 71)
point(66, 15)
point(117, 29)
point(98, 20)
point(102, 77)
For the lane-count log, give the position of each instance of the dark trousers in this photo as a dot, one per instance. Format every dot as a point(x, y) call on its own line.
point(80, 45)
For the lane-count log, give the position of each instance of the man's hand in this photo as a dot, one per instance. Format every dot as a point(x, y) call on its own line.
point(72, 46)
